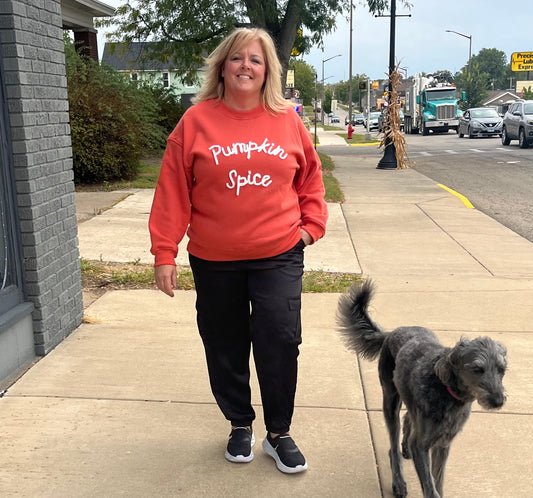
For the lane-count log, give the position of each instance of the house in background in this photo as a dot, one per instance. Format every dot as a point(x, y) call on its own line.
point(133, 60)
point(500, 100)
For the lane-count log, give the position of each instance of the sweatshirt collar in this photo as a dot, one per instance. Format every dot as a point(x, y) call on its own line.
point(232, 113)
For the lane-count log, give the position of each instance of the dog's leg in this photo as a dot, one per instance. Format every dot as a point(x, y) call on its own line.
point(406, 452)
point(439, 457)
point(420, 452)
point(391, 411)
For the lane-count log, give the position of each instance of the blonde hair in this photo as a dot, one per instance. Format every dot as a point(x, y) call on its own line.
point(213, 83)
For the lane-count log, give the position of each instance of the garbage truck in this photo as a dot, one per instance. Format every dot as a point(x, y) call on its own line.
point(430, 105)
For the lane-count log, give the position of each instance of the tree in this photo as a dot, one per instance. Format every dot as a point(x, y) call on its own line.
point(113, 122)
point(527, 93)
point(474, 83)
point(494, 63)
point(328, 97)
point(183, 32)
point(342, 89)
point(304, 80)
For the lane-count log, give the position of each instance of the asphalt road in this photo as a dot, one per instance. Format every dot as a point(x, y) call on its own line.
point(497, 180)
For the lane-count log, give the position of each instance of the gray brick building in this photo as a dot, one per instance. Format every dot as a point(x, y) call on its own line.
point(40, 278)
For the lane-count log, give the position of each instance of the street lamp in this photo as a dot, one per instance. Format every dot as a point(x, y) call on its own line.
point(322, 103)
point(470, 49)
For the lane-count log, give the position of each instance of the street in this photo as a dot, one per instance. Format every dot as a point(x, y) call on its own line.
point(497, 180)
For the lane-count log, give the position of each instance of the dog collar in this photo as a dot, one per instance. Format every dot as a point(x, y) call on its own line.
point(452, 394)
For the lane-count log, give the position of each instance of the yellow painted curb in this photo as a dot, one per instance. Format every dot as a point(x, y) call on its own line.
point(466, 202)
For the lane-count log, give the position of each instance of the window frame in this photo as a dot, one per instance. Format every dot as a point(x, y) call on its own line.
point(12, 293)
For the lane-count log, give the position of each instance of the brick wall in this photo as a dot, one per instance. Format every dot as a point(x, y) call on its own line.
point(34, 67)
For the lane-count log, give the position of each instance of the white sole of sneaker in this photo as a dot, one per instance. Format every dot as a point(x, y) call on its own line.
point(267, 447)
point(241, 458)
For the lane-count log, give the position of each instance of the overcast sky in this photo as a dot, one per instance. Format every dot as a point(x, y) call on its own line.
point(422, 43)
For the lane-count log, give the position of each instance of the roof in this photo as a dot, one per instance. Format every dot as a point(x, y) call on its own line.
point(132, 56)
point(80, 13)
point(496, 97)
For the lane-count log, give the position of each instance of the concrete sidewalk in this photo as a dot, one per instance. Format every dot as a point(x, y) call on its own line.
point(123, 407)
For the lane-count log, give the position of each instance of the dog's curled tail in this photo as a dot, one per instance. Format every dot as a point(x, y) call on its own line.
point(360, 333)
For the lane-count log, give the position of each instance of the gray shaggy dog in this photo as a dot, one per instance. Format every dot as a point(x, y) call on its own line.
point(437, 385)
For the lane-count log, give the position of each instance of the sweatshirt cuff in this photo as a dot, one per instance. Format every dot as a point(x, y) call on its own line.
point(165, 258)
point(315, 231)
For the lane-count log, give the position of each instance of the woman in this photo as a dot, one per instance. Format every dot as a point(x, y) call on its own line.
point(241, 175)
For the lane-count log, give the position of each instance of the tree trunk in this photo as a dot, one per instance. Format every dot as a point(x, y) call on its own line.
point(287, 35)
point(264, 14)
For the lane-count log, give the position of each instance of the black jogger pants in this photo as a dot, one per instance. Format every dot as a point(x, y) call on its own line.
point(244, 304)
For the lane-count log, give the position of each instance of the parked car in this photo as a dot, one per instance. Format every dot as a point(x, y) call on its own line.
point(357, 118)
point(518, 124)
point(480, 121)
point(373, 120)
point(383, 115)
point(335, 119)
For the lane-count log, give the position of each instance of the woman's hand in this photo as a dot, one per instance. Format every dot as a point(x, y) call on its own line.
point(305, 237)
point(166, 279)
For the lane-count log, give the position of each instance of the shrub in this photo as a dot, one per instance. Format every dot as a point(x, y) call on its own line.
point(171, 109)
point(113, 122)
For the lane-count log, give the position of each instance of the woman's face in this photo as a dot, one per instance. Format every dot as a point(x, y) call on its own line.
point(244, 72)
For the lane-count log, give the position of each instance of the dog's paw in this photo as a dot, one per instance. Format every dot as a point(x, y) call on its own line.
point(406, 452)
point(399, 489)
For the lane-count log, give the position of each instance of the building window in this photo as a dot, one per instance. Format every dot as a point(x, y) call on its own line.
point(10, 271)
point(10, 292)
point(166, 80)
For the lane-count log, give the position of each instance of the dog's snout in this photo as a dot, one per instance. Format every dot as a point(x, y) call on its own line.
point(498, 402)
point(495, 401)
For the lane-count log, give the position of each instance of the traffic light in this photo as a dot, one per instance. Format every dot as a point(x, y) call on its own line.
point(362, 85)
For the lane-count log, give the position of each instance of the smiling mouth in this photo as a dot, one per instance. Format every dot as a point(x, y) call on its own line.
point(245, 76)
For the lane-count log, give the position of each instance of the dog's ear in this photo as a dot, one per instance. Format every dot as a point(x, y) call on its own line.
point(443, 366)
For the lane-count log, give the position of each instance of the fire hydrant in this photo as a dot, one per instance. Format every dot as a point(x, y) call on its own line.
point(350, 131)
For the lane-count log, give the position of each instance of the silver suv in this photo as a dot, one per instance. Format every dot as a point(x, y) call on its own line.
point(518, 124)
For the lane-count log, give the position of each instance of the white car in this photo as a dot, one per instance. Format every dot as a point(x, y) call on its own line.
point(373, 120)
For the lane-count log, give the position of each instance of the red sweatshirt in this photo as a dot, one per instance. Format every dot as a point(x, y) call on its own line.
point(242, 183)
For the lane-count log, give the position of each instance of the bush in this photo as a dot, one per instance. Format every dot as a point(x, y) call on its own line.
point(171, 109)
point(113, 122)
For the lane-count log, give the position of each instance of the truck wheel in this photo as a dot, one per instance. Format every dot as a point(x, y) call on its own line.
point(505, 139)
point(522, 140)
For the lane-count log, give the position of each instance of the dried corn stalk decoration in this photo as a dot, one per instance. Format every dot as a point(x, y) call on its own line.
point(392, 124)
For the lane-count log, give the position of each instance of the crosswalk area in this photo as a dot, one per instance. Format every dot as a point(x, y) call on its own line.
point(466, 151)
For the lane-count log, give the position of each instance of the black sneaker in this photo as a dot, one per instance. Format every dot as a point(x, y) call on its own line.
point(284, 451)
point(240, 444)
